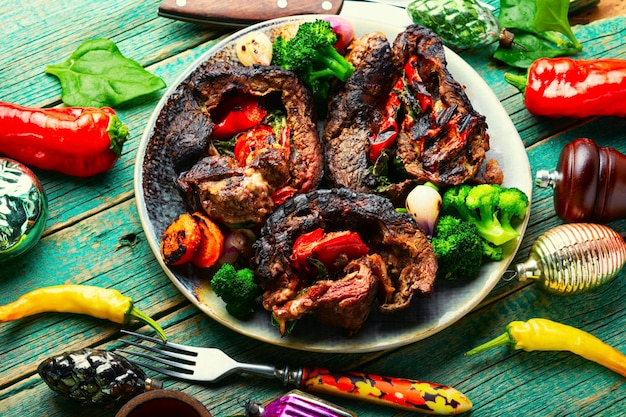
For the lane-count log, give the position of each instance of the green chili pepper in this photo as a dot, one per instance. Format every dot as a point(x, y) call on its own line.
point(546, 335)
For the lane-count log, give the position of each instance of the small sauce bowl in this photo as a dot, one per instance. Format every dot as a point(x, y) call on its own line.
point(163, 403)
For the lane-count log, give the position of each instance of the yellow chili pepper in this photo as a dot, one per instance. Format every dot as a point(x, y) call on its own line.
point(546, 335)
point(102, 303)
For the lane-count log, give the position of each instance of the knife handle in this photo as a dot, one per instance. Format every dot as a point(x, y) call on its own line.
point(245, 12)
point(406, 394)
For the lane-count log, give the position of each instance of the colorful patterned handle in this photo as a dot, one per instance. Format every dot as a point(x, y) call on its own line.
point(406, 394)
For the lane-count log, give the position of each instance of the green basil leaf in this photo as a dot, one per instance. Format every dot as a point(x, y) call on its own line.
point(528, 47)
point(517, 14)
point(97, 75)
point(552, 15)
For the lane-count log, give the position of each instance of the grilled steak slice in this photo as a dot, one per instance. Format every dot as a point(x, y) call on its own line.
point(355, 113)
point(306, 152)
point(227, 191)
point(408, 266)
point(402, 122)
point(345, 302)
point(232, 194)
point(448, 142)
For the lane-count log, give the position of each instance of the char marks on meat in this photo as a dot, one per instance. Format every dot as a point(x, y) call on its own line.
point(444, 142)
point(356, 113)
point(229, 193)
point(448, 144)
point(400, 258)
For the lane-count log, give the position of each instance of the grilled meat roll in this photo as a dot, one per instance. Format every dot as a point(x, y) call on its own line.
point(400, 263)
point(355, 114)
point(240, 180)
point(421, 125)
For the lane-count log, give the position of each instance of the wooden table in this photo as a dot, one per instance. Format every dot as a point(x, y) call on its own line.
point(94, 236)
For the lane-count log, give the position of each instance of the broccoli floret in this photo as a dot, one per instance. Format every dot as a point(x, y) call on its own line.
point(513, 205)
point(458, 247)
point(237, 289)
point(491, 207)
point(312, 56)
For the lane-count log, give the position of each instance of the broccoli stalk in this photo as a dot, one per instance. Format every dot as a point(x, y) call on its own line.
point(312, 56)
point(491, 207)
point(237, 289)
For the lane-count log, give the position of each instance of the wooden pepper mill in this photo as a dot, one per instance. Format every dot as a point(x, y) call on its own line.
point(589, 183)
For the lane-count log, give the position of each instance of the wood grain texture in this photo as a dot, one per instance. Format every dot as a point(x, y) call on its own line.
point(94, 236)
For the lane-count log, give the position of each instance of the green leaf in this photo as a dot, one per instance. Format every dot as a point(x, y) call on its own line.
point(97, 75)
point(552, 15)
point(528, 47)
point(517, 14)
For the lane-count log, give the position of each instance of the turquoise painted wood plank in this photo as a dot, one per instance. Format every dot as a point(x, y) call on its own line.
point(56, 29)
point(96, 193)
point(604, 38)
point(499, 382)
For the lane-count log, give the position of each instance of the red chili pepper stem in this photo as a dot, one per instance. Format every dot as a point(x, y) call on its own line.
point(518, 81)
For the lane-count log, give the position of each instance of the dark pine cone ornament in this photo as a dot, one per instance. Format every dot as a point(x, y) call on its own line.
point(95, 377)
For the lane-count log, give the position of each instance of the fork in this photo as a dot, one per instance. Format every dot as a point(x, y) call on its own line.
point(200, 364)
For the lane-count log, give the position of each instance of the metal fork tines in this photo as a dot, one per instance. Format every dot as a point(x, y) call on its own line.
point(189, 362)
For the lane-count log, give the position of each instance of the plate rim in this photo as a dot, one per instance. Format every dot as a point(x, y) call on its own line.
point(406, 338)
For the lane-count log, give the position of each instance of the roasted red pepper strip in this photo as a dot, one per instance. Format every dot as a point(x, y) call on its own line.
point(564, 87)
point(388, 133)
point(250, 143)
point(326, 248)
point(424, 98)
point(389, 128)
point(77, 141)
point(236, 114)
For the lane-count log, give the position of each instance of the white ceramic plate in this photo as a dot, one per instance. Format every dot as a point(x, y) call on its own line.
point(159, 203)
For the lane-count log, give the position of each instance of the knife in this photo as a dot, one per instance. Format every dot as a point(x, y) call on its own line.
point(233, 13)
point(237, 13)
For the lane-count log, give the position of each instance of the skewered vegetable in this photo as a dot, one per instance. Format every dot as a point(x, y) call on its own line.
point(254, 48)
point(318, 250)
point(95, 377)
point(546, 335)
point(192, 237)
point(102, 303)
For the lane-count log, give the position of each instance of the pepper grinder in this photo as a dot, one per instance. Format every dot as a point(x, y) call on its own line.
point(589, 183)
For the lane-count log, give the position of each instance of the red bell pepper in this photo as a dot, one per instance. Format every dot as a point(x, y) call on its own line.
point(326, 248)
point(388, 133)
point(254, 140)
point(236, 114)
point(76, 141)
point(564, 87)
